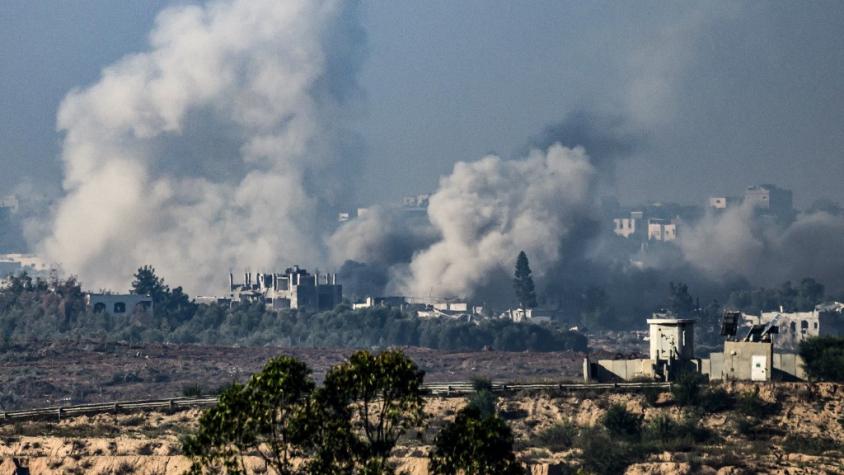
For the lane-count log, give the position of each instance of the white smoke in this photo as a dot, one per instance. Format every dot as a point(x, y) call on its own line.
point(740, 242)
point(265, 71)
point(381, 237)
point(487, 211)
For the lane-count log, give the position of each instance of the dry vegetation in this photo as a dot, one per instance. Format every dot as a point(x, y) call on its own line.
point(72, 373)
point(802, 432)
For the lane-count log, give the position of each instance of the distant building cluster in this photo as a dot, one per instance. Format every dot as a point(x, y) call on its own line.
point(756, 348)
point(662, 222)
point(295, 288)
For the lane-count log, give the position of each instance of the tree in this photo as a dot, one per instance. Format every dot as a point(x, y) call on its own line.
point(474, 444)
point(173, 305)
point(523, 282)
point(823, 358)
point(680, 301)
point(266, 416)
point(148, 283)
point(382, 397)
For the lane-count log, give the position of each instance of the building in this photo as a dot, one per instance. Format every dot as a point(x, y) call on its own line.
point(662, 229)
point(770, 197)
point(747, 358)
point(794, 327)
point(295, 288)
point(722, 202)
point(118, 304)
point(671, 338)
point(387, 302)
point(630, 226)
point(527, 315)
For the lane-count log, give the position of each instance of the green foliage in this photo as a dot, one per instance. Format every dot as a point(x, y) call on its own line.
point(601, 455)
point(523, 282)
point(823, 358)
point(751, 405)
point(557, 438)
point(483, 399)
point(265, 416)
point(664, 433)
point(716, 400)
point(687, 389)
point(192, 390)
point(474, 444)
point(680, 301)
point(383, 393)
point(597, 311)
point(33, 309)
point(802, 298)
point(174, 306)
point(622, 423)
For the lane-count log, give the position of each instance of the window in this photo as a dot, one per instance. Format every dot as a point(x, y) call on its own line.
point(119, 307)
point(793, 327)
point(816, 325)
point(804, 326)
point(99, 307)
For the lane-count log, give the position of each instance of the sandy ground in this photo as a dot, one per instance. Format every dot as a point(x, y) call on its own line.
point(148, 443)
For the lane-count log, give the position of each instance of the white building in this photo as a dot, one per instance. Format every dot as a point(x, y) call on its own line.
point(662, 230)
point(118, 304)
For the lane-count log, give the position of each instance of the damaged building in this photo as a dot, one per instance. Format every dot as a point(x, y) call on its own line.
point(118, 304)
point(295, 288)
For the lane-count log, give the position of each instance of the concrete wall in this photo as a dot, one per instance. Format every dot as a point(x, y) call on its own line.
point(736, 362)
point(789, 367)
point(622, 370)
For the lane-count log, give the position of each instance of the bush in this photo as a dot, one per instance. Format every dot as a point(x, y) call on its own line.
point(717, 400)
point(823, 358)
point(600, 454)
point(556, 438)
point(809, 445)
point(474, 444)
point(662, 433)
point(192, 390)
point(621, 422)
point(751, 405)
point(687, 389)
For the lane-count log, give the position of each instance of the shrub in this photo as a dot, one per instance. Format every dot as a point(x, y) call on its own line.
point(600, 455)
point(809, 445)
point(687, 389)
point(751, 405)
point(651, 395)
point(716, 400)
point(823, 358)
point(192, 390)
point(557, 438)
point(621, 422)
point(474, 444)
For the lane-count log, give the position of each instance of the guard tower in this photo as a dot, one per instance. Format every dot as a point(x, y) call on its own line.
point(672, 338)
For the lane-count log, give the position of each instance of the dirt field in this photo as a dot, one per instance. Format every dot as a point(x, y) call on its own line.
point(71, 373)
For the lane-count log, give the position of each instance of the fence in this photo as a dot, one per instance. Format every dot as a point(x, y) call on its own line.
point(434, 389)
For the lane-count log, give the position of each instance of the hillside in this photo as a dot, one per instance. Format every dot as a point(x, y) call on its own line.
point(795, 428)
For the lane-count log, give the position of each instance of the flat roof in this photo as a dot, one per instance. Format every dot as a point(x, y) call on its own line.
point(670, 321)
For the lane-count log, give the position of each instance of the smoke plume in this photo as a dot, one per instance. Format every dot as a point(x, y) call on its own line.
point(265, 86)
point(487, 211)
point(741, 242)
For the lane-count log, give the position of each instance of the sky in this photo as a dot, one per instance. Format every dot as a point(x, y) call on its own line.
point(720, 94)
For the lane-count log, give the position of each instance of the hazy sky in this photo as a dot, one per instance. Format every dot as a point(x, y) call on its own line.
point(723, 94)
